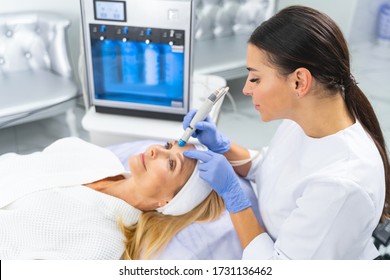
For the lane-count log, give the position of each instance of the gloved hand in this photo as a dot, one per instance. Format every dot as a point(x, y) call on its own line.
point(207, 134)
point(217, 171)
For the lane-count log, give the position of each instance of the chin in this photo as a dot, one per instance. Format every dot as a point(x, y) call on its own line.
point(266, 118)
point(131, 161)
point(263, 117)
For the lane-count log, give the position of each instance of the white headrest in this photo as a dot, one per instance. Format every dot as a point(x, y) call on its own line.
point(191, 195)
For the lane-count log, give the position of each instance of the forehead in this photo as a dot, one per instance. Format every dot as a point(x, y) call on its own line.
point(256, 58)
point(176, 147)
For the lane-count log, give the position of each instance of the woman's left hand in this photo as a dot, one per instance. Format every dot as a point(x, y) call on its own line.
point(217, 171)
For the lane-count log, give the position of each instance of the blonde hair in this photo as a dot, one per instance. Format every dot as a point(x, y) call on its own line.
point(154, 230)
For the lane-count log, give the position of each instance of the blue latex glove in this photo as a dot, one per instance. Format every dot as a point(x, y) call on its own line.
point(207, 134)
point(217, 171)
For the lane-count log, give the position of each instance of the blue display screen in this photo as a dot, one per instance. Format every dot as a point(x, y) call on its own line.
point(138, 72)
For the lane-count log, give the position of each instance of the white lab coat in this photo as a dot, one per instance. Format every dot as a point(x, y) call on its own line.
point(318, 198)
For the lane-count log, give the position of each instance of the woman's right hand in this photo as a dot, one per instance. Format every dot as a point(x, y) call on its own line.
point(207, 134)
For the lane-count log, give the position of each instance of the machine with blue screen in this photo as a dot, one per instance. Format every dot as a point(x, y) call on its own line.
point(138, 56)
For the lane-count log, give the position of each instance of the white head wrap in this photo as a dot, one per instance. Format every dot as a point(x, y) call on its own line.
point(191, 195)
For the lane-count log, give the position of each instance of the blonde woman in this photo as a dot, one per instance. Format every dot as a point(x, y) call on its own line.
point(75, 200)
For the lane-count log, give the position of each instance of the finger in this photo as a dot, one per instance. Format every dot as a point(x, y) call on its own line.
point(199, 155)
point(187, 119)
point(195, 134)
point(204, 126)
point(209, 166)
point(204, 176)
point(202, 166)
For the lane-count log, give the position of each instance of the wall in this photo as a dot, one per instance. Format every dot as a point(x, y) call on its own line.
point(365, 21)
point(356, 18)
point(339, 10)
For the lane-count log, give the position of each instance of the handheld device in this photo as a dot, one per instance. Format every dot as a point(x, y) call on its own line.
point(202, 113)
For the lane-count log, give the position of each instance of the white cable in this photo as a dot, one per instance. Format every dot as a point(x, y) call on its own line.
point(244, 161)
point(232, 101)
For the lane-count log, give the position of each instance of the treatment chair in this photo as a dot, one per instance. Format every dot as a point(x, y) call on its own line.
point(35, 74)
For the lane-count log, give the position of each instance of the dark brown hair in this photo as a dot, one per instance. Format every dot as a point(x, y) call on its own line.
point(299, 36)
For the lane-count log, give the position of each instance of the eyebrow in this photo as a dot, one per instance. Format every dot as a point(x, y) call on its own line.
point(251, 69)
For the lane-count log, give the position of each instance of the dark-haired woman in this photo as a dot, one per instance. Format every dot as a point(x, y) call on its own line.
point(323, 182)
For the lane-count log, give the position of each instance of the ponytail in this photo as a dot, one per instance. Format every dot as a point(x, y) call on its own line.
point(360, 107)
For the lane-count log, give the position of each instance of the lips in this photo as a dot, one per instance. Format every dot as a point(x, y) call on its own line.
point(142, 156)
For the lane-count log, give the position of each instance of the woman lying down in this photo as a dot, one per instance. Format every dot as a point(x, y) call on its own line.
point(74, 200)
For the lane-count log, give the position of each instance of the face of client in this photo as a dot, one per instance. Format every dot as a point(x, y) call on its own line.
point(158, 174)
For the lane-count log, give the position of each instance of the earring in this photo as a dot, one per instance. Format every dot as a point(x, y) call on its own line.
point(297, 94)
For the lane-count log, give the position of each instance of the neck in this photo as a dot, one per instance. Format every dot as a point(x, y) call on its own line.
point(116, 186)
point(125, 189)
point(321, 117)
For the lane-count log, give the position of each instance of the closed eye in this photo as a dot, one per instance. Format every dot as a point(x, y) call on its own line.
point(254, 80)
point(168, 145)
point(172, 164)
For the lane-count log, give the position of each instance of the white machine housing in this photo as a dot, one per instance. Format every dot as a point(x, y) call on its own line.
point(138, 56)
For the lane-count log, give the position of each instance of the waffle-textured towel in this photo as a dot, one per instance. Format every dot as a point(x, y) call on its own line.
point(45, 212)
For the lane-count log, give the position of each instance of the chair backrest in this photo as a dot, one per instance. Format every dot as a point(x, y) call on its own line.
point(32, 41)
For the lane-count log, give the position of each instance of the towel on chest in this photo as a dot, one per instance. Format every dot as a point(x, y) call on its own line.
point(66, 162)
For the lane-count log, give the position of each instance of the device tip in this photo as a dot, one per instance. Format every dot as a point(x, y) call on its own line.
point(181, 143)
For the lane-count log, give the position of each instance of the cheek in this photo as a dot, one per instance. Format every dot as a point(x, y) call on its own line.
point(158, 167)
point(262, 93)
point(160, 185)
point(157, 174)
point(148, 185)
point(167, 183)
point(268, 92)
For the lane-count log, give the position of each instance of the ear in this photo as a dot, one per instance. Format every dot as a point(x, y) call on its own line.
point(302, 79)
point(151, 204)
point(162, 203)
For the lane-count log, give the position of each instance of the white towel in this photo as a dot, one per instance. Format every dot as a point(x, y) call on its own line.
point(45, 213)
point(66, 162)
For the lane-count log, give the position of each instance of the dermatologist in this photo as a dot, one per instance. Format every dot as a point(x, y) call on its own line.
point(323, 181)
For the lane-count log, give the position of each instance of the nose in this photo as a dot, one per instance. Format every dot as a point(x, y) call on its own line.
point(155, 151)
point(247, 90)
